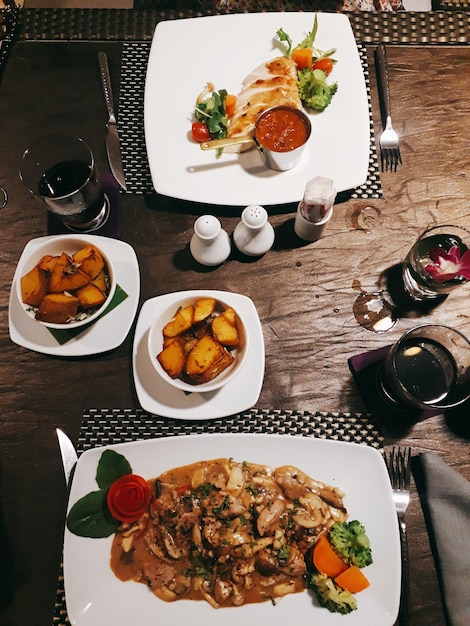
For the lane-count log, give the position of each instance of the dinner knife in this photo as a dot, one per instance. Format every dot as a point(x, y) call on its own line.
point(112, 139)
point(68, 454)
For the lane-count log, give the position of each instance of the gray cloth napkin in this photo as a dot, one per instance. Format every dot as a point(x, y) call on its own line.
point(447, 499)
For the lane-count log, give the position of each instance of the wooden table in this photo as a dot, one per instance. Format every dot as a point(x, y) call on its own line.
point(304, 294)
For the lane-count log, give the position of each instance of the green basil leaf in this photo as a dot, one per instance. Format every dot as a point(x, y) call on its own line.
point(111, 466)
point(89, 516)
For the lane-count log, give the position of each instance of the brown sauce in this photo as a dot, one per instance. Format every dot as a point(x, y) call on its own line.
point(281, 130)
point(226, 532)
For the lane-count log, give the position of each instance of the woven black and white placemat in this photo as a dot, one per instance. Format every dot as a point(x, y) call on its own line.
point(8, 24)
point(131, 124)
point(109, 426)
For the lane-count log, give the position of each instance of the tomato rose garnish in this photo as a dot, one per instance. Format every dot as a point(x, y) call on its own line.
point(128, 498)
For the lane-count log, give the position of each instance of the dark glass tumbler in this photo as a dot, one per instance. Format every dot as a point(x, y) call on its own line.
point(61, 172)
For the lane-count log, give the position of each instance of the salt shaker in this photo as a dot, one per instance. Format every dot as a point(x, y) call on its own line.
point(315, 209)
point(254, 235)
point(210, 244)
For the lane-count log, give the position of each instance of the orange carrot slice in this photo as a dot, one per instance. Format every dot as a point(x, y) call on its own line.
point(302, 57)
point(352, 579)
point(230, 102)
point(325, 558)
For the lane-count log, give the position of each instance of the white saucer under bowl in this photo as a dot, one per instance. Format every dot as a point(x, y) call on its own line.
point(104, 334)
point(160, 398)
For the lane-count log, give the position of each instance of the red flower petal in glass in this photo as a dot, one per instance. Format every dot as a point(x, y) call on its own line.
point(448, 265)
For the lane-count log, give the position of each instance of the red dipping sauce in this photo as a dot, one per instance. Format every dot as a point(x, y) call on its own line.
point(282, 129)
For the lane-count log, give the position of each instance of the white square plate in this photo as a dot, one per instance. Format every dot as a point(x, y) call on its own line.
point(223, 49)
point(94, 596)
point(159, 397)
point(106, 333)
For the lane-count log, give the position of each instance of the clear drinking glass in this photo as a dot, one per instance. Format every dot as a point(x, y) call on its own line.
point(429, 367)
point(438, 262)
point(61, 171)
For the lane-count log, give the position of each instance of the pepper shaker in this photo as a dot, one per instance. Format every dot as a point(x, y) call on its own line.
point(254, 235)
point(210, 244)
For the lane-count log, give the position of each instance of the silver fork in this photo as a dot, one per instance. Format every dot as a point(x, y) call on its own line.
point(390, 155)
point(398, 464)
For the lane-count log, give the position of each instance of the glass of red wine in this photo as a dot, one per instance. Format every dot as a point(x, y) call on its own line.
point(61, 171)
point(427, 368)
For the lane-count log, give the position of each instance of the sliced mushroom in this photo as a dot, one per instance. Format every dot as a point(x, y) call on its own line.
point(222, 590)
point(269, 516)
point(308, 519)
point(236, 480)
point(171, 545)
point(333, 496)
point(238, 597)
point(249, 549)
point(165, 594)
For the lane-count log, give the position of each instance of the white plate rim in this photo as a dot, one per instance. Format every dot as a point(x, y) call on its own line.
point(226, 187)
point(335, 462)
point(28, 334)
point(158, 397)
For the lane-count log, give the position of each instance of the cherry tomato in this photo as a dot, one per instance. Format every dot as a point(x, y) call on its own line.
point(324, 64)
point(200, 131)
point(128, 498)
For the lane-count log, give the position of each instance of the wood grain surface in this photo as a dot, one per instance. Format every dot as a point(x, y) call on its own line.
point(304, 293)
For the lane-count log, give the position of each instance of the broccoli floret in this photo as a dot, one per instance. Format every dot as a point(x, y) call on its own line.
point(350, 541)
point(314, 90)
point(330, 596)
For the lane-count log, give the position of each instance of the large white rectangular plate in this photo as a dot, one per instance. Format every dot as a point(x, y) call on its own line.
point(186, 54)
point(94, 596)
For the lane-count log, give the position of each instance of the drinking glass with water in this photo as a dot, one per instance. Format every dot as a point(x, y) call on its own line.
point(428, 367)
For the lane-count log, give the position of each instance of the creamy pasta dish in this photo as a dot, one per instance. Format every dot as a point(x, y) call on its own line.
point(226, 532)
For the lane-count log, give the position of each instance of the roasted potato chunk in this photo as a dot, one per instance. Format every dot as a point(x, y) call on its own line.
point(224, 327)
point(172, 359)
point(100, 281)
point(48, 262)
point(203, 308)
point(34, 286)
point(90, 260)
point(207, 360)
point(67, 275)
point(57, 308)
point(90, 296)
point(182, 321)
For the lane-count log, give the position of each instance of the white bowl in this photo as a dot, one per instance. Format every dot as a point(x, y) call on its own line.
point(54, 247)
point(155, 341)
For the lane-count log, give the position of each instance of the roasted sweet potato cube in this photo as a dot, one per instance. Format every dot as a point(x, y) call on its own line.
point(57, 308)
point(67, 275)
point(172, 359)
point(181, 322)
point(100, 281)
point(34, 286)
point(207, 360)
point(230, 315)
point(90, 296)
point(203, 308)
point(48, 262)
point(225, 330)
point(91, 261)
